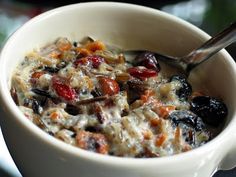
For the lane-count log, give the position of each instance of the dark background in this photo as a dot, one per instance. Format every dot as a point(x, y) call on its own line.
point(209, 15)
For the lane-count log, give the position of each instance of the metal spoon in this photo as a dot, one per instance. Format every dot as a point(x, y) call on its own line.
point(199, 55)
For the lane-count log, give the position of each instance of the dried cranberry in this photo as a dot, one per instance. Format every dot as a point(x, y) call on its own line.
point(63, 90)
point(92, 60)
point(142, 72)
point(108, 86)
point(148, 60)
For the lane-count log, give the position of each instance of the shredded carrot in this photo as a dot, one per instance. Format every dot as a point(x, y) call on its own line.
point(154, 122)
point(177, 136)
point(54, 115)
point(147, 134)
point(186, 148)
point(37, 74)
point(89, 83)
point(94, 46)
point(64, 46)
point(83, 51)
point(163, 111)
point(160, 139)
point(147, 94)
point(55, 54)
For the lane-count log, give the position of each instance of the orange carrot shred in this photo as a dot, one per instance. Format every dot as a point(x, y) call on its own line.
point(154, 122)
point(163, 111)
point(147, 94)
point(54, 115)
point(37, 74)
point(147, 134)
point(94, 46)
point(160, 139)
point(84, 52)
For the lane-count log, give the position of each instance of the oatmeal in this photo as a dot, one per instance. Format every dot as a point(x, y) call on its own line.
point(92, 97)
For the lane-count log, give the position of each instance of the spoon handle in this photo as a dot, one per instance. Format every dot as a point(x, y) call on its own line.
point(212, 46)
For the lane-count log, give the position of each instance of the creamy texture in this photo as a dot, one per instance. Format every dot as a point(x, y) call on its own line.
point(89, 97)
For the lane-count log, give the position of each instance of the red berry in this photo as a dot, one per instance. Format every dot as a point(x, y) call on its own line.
point(63, 90)
point(147, 59)
point(142, 72)
point(108, 86)
point(92, 60)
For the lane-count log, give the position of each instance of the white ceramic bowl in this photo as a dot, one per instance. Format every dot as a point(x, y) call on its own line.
point(39, 155)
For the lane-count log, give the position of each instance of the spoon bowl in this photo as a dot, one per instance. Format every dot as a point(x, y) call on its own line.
point(186, 63)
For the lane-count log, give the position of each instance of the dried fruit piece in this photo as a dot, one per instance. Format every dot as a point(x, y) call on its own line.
point(108, 86)
point(91, 60)
point(63, 90)
point(186, 89)
point(142, 72)
point(148, 60)
point(73, 110)
point(188, 118)
point(213, 111)
point(51, 69)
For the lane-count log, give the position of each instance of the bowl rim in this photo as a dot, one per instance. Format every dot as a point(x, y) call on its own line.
point(10, 107)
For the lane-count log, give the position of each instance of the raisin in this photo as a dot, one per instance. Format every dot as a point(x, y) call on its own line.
point(41, 92)
point(188, 118)
point(51, 69)
point(73, 110)
point(212, 110)
point(185, 90)
point(136, 88)
point(148, 60)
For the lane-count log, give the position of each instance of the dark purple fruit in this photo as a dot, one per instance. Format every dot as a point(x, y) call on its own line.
point(188, 118)
point(51, 69)
point(185, 90)
point(73, 110)
point(148, 60)
point(41, 92)
point(213, 111)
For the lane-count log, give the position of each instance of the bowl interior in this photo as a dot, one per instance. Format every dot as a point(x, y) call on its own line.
point(130, 28)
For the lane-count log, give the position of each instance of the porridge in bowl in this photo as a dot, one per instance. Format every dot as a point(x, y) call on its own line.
point(93, 97)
